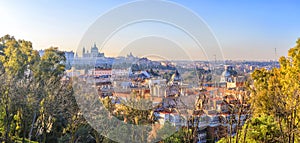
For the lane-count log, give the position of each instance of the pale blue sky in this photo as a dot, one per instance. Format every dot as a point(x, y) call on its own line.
point(246, 29)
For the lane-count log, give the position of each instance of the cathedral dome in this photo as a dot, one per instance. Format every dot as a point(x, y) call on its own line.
point(226, 73)
point(94, 49)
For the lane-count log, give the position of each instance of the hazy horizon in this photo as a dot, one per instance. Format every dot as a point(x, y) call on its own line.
point(246, 30)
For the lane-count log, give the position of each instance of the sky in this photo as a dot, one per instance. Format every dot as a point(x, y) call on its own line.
point(245, 29)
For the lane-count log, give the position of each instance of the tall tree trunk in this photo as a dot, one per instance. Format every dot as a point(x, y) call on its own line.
point(24, 126)
point(293, 126)
point(97, 138)
point(238, 126)
point(230, 128)
point(289, 128)
point(245, 132)
point(7, 129)
point(32, 125)
point(281, 130)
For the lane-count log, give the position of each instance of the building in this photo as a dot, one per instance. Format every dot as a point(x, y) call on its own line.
point(158, 87)
point(93, 54)
point(227, 75)
point(100, 72)
point(69, 59)
point(238, 81)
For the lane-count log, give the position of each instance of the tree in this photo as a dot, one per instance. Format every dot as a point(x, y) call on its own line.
point(239, 111)
point(37, 102)
point(262, 129)
point(134, 111)
point(276, 93)
point(48, 74)
point(275, 102)
point(17, 58)
point(178, 137)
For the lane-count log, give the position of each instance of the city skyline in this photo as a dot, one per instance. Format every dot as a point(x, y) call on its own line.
point(247, 30)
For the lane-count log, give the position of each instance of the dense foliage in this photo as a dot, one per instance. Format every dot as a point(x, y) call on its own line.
point(275, 103)
point(36, 104)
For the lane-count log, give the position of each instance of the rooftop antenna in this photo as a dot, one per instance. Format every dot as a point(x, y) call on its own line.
point(215, 62)
point(215, 56)
point(214, 68)
point(275, 57)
